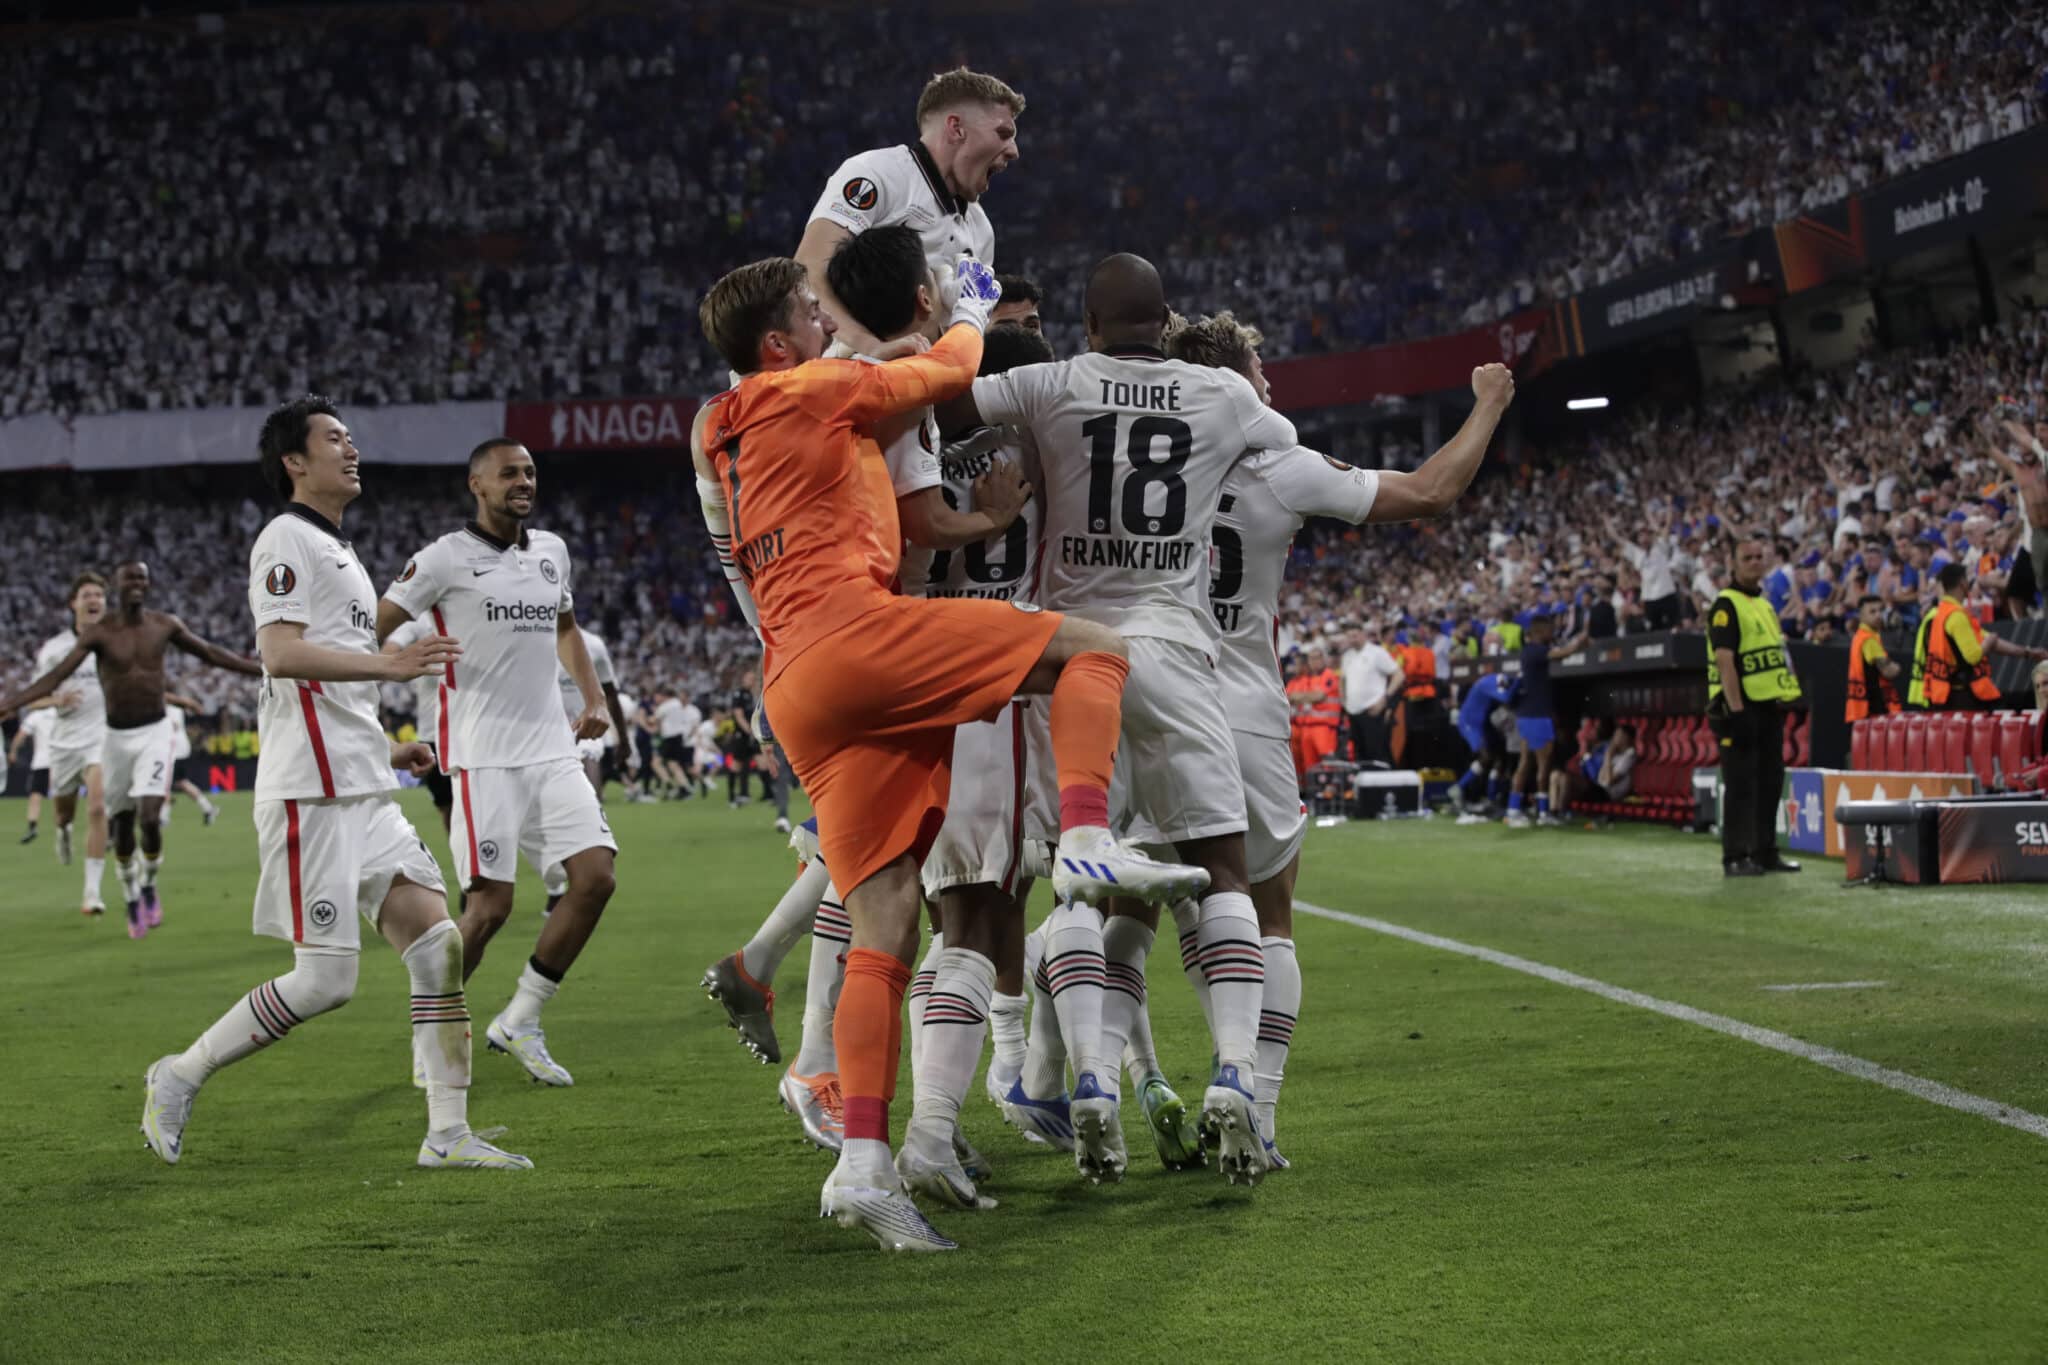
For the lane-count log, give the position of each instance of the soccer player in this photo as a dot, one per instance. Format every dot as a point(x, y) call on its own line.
point(1135, 448)
point(1483, 782)
point(1265, 501)
point(1534, 719)
point(331, 840)
point(864, 687)
point(966, 136)
point(77, 733)
point(1019, 306)
point(505, 591)
point(181, 759)
point(591, 751)
point(33, 734)
point(128, 645)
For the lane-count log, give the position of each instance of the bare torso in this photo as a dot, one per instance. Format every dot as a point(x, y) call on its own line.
point(131, 664)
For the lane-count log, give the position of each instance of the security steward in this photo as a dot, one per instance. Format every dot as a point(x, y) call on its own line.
point(1951, 668)
point(1749, 685)
point(1873, 676)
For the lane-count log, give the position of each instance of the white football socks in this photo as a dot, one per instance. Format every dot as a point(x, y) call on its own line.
point(536, 987)
point(786, 924)
point(1187, 920)
point(1277, 1012)
point(95, 872)
point(1006, 1028)
point(321, 979)
point(919, 993)
point(955, 1024)
point(1074, 973)
point(1125, 944)
point(440, 1027)
point(150, 867)
point(831, 936)
point(1235, 970)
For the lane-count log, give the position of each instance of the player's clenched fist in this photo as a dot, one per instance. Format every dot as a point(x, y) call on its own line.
point(427, 655)
point(593, 722)
point(1494, 384)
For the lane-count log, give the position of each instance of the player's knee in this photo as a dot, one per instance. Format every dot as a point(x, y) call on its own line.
point(597, 882)
point(319, 982)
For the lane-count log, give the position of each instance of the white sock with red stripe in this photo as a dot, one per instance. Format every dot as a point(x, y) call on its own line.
point(1278, 1010)
point(919, 994)
point(786, 924)
point(831, 936)
point(440, 1027)
point(1125, 944)
point(955, 1025)
point(1236, 974)
point(321, 979)
point(1187, 922)
point(1045, 1056)
point(1074, 974)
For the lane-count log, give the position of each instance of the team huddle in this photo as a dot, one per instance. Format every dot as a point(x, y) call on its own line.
point(1057, 579)
point(1017, 616)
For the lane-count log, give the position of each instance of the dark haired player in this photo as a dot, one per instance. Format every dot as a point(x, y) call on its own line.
point(128, 646)
point(504, 591)
point(1019, 306)
point(332, 842)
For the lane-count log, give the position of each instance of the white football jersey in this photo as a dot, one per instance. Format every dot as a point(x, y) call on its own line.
point(39, 725)
point(600, 662)
point(1003, 567)
point(902, 184)
point(1134, 449)
point(318, 739)
point(83, 724)
point(1265, 501)
point(503, 603)
point(426, 691)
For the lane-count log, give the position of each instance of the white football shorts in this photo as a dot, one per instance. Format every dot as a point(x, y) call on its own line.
point(136, 764)
point(67, 768)
point(1176, 766)
point(1002, 779)
point(1275, 817)
point(545, 811)
point(323, 862)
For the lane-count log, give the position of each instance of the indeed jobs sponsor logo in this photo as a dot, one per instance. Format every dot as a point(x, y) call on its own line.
point(522, 616)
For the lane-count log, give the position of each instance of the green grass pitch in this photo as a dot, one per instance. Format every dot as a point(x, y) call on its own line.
point(1488, 1167)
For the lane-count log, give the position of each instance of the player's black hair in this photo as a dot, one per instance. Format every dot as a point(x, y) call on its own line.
point(1020, 289)
point(486, 447)
point(1867, 599)
point(1008, 345)
point(876, 274)
point(1952, 576)
point(284, 433)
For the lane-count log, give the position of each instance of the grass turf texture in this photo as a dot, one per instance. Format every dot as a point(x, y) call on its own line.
point(1488, 1166)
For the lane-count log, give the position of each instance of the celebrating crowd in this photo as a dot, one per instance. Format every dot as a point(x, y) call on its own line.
point(203, 219)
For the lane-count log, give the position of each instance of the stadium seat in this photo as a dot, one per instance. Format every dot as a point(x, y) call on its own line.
point(1893, 757)
point(1859, 744)
point(1983, 745)
point(1954, 732)
point(1917, 724)
point(2018, 741)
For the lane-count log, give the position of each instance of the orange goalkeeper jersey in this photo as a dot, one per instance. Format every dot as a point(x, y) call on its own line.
point(807, 492)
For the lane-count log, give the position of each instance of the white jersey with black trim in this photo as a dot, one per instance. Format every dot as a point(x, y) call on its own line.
point(902, 184)
point(1265, 501)
point(318, 739)
point(1135, 449)
point(503, 601)
point(600, 662)
point(1003, 567)
point(83, 724)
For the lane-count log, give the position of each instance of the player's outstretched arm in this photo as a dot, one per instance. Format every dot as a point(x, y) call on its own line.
point(45, 685)
point(1430, 490)
point(869, 393)
point(575, 657)
point(183, 638)
point(287, 653)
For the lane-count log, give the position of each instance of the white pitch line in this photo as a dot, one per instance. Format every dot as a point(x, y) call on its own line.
point(1934, 1092)
point(1827, 986)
